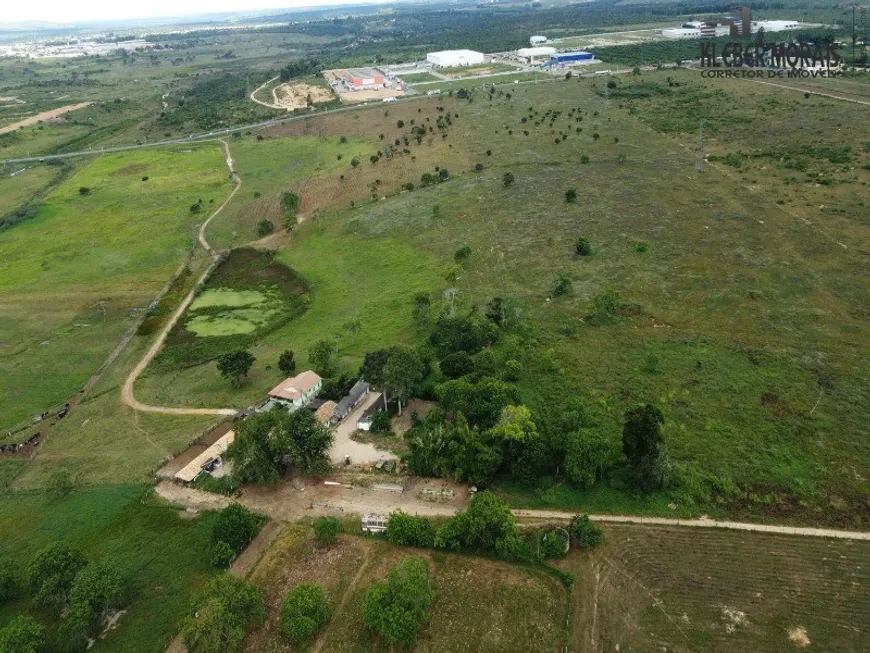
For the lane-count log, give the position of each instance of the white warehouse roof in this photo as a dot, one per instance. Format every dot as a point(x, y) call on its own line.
point(543, 51)
point(455, 58)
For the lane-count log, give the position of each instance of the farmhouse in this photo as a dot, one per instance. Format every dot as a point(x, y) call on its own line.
point(359, 390)
point(296, 391)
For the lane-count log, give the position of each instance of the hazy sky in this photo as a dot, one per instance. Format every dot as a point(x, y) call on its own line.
point(89, 10)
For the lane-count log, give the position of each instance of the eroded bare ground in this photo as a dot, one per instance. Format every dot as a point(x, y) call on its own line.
point(45, 115)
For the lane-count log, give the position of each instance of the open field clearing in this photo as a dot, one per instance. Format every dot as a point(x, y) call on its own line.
point(159, 554)
point(471, 82)
point(654, 589)
point(750, 310)
point(414, 78)
point(40, 117)
point(478, 605)
point(300, 95)
point(23, 188)
point(77, 274)
point(479, 69)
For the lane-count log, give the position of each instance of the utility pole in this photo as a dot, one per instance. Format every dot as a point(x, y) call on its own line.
point(699, 163)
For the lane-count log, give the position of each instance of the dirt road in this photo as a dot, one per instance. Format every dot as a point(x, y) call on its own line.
point(257, 90)
point(127, 395)
point(287, 503)
point(45, 115)
point(359, 452)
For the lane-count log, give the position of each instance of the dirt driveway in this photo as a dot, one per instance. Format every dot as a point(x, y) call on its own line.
point(343, 446)
point(45, 115)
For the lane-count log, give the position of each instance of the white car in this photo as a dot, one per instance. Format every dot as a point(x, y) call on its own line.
point(389, 99)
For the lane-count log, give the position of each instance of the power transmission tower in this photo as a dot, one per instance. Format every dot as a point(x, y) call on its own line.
point(699, 163)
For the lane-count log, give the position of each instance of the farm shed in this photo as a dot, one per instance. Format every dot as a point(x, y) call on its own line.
point(324, 413)
point(364, 423)
point(359, 390)
point(190, 471)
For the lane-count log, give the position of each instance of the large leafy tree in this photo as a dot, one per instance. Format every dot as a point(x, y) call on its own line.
point(480, 402)
point(95, 591)
point(321, 354)
point(237, 526)
point(427, 445)
point(514, 429)
point(402, 372)
point(220, 615)
point(303, 613)
point(487, 525)
point(268, 445)
point(468, 334)
point(22, 635)
point(589, 453)
point(397, 608)
point(235, 366)
point(287, 362)
point(644, 446)
point(51, 572)
point(469, 455)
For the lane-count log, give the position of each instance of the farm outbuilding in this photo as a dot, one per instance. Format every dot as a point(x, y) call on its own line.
point(537, 40)
point(449, 58)
point(359, 390)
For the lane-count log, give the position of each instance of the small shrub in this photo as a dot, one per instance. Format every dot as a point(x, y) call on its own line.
point(326, 530)
point(571, 196)
point(478, 167)
point(84, 191)
point(462, 254)
point(406, 530)
point(265, 227)
point(585, 533)
point(380, 422)
point(508, 179)
point(584, 159)
point(641, 246)
point(562, 286)
point(582, 246)
point(222, 555)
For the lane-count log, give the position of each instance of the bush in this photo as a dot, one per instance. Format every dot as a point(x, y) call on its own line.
point(380, 422)
point(10, 584)
point(220, 615)
point(641, 246)
point(58, 484)
point(508, 179)
point(265, 227)
point(405, 530)
point(512, 370)
point(457, 365)
point(303, 613)
point(478, 167)
point(326, 530)
point(585, 533)
point(236, 526)
point(22, 635)
point(582, 247)
point(553, 545)
point(584, 158)
point(84, 191)
point(397, 608)
point(222, 555)
point(562, 285)
point(487, 525)
point(462, 254)
point(571, 196)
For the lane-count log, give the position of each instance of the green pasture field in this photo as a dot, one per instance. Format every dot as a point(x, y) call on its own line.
point(354, 299)
point(248, 295)
point(478, 604)
point(750, 310)
point(469, 83)
point(706, 590)
point(23, 187)
point(269, 168)
point(77, 274)
point(160, 555)
point(413, 78)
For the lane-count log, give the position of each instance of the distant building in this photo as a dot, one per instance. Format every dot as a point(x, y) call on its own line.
point(775, 25)
point(569, 58)
point(361, 78)
point(449, 58)
point(537, 40)
point(296, 391)
point(682, 33)
point(531, 53)
point(359, 390)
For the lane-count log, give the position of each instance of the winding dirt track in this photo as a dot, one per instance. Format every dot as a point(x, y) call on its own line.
point(127, 395)
point(257, 90)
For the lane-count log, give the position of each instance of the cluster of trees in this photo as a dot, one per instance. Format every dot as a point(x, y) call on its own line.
point(64, 586)
point(397, 608)
point(221, 615)
point(234, 529)
point(270, 445)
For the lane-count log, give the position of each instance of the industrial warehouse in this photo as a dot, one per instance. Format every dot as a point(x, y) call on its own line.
point(450, 58)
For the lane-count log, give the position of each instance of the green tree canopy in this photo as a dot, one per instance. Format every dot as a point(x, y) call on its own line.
point(304, 611)
point(326, 529)
point(588, 455)
point(235, 366)
point(481, 402)
point(406, 530)
point(487, 525)
point(468, 334)
point(402, 372)
point(268, 445)
point(237, 526)
point(320, 355)
point(397, 608)
point(287, 362)
point(468, 454)
point(22, 635)
point(50, 574)
point(643, 445)
point(221, 614)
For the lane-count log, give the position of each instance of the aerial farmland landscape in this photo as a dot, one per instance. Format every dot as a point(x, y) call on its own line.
point(445, 327)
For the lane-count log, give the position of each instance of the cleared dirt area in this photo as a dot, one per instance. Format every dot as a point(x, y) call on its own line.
point(351, 97)
point(297, 96)
point(45, 115)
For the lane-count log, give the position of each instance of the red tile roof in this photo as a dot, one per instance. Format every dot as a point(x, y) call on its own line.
point(295, 387)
